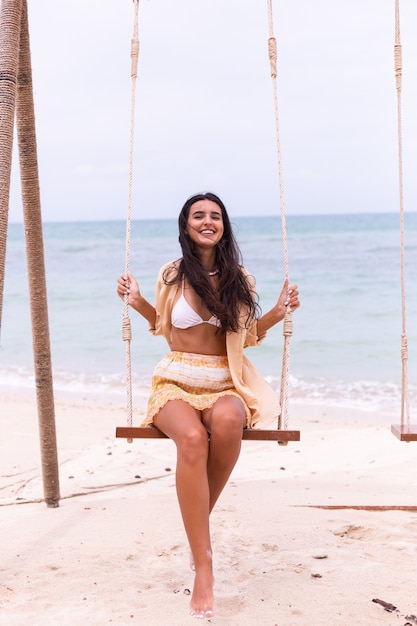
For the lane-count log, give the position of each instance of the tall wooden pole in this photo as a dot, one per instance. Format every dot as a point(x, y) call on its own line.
point(26, 131)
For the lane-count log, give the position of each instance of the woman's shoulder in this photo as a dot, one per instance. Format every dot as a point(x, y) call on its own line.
point(169, 271)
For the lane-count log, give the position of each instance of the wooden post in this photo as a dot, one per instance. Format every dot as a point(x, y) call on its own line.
point(14, 13)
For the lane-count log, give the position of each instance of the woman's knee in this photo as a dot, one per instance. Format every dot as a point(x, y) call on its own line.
point(192, 445)
point(228, 417)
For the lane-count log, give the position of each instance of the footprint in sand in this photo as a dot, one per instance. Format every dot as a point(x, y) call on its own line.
point(353, 532)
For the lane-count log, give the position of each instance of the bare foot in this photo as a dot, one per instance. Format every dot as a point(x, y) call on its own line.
point(202, 601)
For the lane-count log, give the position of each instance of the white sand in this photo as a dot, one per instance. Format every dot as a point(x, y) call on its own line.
point(114, 552)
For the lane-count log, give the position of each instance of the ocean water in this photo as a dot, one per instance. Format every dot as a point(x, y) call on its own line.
point(346, 343)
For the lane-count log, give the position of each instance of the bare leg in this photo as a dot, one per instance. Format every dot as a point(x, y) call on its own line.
point(183, 425)
point(225, 422)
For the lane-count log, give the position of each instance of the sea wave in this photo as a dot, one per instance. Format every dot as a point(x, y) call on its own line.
point(366, 395)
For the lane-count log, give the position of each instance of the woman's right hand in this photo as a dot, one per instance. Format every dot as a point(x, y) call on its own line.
point(126, 284)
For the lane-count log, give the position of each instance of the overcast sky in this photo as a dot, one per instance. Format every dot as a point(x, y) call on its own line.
point(204, 106)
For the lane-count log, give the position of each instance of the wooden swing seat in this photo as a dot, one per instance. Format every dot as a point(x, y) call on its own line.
point(282, 436)
point(405, 433)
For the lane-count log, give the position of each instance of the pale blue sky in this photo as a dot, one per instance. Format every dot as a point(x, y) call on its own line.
point(204, 107)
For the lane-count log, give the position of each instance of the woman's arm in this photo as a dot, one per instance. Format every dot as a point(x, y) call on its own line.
point(288, 297)
point(128, 285)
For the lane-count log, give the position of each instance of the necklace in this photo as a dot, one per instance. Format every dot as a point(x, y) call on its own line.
point(213, 273)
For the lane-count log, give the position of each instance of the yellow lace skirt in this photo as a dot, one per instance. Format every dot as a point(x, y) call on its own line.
point(198, 379)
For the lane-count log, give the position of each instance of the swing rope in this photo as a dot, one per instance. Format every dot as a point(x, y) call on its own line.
point(405, 402)
point(126, 325)
point(287, 324)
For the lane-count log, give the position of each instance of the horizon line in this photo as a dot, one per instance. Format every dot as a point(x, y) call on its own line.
point(232, 217)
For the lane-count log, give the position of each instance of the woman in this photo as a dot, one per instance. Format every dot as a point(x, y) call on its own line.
point(204, 392)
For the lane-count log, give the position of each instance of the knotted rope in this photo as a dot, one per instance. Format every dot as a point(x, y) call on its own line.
point(287, 326)
point(126, 326)
point(405, 402)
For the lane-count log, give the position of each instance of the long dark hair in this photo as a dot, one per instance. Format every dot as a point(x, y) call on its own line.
point(233, 293)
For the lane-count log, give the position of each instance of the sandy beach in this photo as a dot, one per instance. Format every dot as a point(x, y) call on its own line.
point(310, 533)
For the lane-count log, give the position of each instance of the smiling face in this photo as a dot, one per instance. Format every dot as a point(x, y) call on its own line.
point(205, 223)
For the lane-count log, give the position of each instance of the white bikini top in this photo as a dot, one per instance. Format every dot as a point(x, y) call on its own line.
point(183, 315)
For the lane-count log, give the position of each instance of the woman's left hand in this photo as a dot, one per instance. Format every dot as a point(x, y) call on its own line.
point(289, 297)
